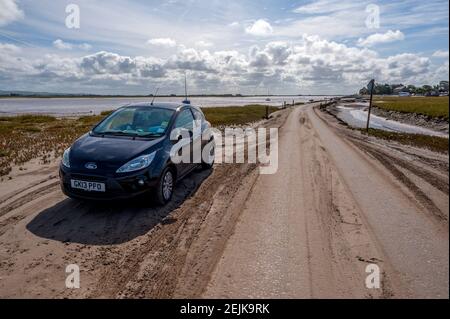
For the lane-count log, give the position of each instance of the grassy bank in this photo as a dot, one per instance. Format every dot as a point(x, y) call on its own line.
point(435, 107)
point(236, 115)
point(434, 143)
point(25, 137)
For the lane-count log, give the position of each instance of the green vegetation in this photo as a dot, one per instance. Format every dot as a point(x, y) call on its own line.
point(434, 143)
point(426, 90)
point(25, 137)
point(436, 107)
point(236, 115)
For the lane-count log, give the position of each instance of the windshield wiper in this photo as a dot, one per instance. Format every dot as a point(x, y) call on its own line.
point(151, 135)
point(134, 135)
point(117, 134)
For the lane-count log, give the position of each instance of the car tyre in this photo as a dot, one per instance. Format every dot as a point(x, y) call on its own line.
point(206, 165)
point(165, 187)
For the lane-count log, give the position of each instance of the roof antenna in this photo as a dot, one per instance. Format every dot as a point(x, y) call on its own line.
point(154, 96)
point(186, 101)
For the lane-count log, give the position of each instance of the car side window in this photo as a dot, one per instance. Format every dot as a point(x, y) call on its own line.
point(185, 120)
point(197, 114)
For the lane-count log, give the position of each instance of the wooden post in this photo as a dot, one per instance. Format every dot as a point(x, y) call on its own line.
point(267, 112)
point(371, 87)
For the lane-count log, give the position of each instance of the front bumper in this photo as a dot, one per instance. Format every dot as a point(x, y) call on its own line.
point(124, 187)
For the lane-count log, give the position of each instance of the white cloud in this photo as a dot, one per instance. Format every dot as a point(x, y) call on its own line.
point(7, 47)
point(294, 64)
point(441, 54)
point(85, 46)
point(377, 38)
point(334, 26)
point(311, 64)
point(164, 42)
point(325, 6)
point(259, 28)
point(203, 44)
point(9, 12)
point(61, 45)
point(345, 19)
point(11, 62)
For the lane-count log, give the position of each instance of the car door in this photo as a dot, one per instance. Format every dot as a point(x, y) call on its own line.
point(185, 121)
point(198, 143)
point(203, 129)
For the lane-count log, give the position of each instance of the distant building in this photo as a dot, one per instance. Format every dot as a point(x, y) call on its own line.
point(404, 94)
point(432, 93)
point(443, 86)
point(400, 89)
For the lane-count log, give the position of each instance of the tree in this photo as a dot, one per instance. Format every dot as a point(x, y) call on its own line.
point(364, 91)
point(411, 88)
point(427, 88)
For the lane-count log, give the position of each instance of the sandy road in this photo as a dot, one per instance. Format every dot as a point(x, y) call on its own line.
point(130, 249)
point(339, 201)
point(310, 230)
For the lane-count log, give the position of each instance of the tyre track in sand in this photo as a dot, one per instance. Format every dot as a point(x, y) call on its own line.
point(301, 234)
point(125, 249)
point(310, 229)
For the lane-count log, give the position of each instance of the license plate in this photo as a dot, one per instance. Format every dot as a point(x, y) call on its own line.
point(88, 186)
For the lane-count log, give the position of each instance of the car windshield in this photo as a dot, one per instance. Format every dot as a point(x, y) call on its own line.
point(138, 121)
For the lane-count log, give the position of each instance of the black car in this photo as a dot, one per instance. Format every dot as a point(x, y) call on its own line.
point(130, 152)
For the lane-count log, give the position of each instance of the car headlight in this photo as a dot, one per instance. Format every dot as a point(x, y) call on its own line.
point(138, 163)
point(65, 158)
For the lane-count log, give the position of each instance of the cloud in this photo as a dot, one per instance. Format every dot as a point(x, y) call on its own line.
point(204, 44)
point(325, 6)
point(107, 63)
point(310, 65)
point(334, 26)
point(9, 12)
point(11, 62)
point(346, 19)
point(191, 59)
point(85, 46)
point(11, 48)
point(440, 54)
point(260, 28)
point(377, 38)
point(61, 45)
point(294, 63)
point(163, 42)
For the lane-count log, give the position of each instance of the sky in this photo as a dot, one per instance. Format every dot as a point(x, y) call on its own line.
point(232, 46)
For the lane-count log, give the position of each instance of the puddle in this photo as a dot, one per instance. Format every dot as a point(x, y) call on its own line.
point(356, 116)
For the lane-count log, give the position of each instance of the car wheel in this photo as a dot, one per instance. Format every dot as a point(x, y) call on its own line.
point(165, 187)
point(210, 163)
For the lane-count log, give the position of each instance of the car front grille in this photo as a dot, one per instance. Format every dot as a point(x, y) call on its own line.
point(89, 178)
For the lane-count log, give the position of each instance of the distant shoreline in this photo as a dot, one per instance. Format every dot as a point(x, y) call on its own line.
point(150, 96)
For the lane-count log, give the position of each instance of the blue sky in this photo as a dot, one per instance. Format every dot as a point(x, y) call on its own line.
point(291, 47)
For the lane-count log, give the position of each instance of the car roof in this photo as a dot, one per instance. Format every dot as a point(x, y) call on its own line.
point(163, 105)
